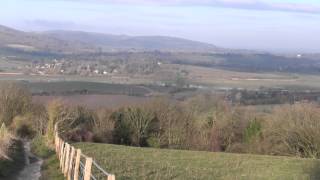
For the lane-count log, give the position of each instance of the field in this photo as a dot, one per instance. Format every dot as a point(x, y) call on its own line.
point(215, 77)
point(94, 101)
point(77, 87)
point(207, 77)
point(148, 163)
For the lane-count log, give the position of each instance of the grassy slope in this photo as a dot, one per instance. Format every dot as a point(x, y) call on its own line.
point(148, 163)
point(50, 167)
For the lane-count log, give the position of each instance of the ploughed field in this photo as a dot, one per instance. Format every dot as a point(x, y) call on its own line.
point(148, 163)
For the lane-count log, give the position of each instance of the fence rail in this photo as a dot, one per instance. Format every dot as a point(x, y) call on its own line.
point(75, 165)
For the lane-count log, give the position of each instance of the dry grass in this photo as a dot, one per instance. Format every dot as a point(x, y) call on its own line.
point(5, 142)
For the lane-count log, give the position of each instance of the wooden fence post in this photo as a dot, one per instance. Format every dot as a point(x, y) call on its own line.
point(77, 165)
point(111, 177)
point(62, 153)
point(56, 127)
point(58, 147)
point(64, 156)
point(71, 163)
point(61, 149)
point(55, 134)
point(66, 162)
point(55, 142)
point(87, 169)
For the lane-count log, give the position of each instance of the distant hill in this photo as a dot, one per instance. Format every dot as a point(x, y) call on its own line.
point(82, 42)
point(109, 42)
point(37, 42)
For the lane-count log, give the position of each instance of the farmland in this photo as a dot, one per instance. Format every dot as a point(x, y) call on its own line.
point(148, 163)
point(94, 100)
point(74, 87)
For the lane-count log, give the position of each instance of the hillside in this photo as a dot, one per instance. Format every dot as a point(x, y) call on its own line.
point(84, 42)
point(12, 39)
point(148, 163)
point(122, 42)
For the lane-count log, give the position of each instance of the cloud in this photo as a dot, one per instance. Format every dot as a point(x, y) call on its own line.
point(238, 4)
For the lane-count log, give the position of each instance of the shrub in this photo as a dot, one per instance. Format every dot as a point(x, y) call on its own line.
point(77, 124)
point(140, 122)
point(294, 130)
point(133, 126)
point(39, 118)
point(23, 126)
point(252, 131)
point(14, 101)
point(104, 126)
point(5, 141)
point(56, 113)
point(122, 131)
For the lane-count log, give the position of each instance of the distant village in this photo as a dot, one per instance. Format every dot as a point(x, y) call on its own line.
point(86, 68)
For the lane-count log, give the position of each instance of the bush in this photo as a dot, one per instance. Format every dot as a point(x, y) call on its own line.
point(104, 126)
point(294, 130)
point(14, 161)
point(23, 126)
point(5, 141)
point(122, 131)
point(133, 126)
point(14, 101)
point(78, 124)
point(252, 131)
point(56, 113)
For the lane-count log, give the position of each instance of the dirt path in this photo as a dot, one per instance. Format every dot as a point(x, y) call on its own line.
point(32, 170)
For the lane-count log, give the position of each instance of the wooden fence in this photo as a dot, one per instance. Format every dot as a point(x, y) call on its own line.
point(75, 165)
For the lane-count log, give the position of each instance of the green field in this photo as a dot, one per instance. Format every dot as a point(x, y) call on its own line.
point(74, 87)
point(148, 163)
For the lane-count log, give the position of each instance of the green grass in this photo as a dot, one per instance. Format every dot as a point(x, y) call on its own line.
point(147, 163)
point(50, 168)
point(10, 167)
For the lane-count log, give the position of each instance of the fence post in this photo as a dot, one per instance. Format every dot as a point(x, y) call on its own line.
point(55, 134)
point(71, 162)
point(87, 169)
point(61, 149)
point(111, 177)
point(77, 165)
point(64, 156)
point(58, 147)
point(55, 142)
point(62, 153)
point(66, 162)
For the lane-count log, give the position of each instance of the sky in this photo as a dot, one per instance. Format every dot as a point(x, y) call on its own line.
point(271, 25)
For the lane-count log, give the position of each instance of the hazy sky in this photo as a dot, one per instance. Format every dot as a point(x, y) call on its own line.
point(282, 25)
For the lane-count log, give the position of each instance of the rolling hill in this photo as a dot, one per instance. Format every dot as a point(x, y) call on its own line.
point(123, 42)
point(37, 42)
point(85, 42)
